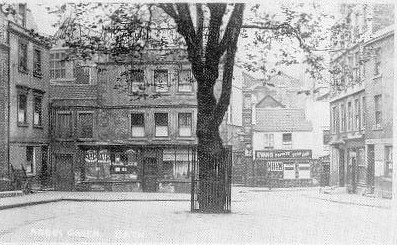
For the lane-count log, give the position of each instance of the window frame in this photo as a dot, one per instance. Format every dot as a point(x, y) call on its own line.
point(131, 81)
point(388, 162)
point(32, 163)
point(189, 126)
point(363, 105)
point(378, 62)
point(157, 88)
point(156, 125)
point(20, 93)
point(37, 63)
point(287, 142)
point(142, 125)
point(23, 57)
point(190, 83)
point(268, 141)
point(378, 111)
point(79, 124)
point(40, 124)
point(57, 124)
point(349, 116)
point(62, 65)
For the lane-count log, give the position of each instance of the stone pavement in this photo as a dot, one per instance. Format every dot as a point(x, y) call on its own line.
point(237, 196)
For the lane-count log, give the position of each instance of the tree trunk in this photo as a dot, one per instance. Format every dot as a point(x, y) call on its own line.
point(210, 151)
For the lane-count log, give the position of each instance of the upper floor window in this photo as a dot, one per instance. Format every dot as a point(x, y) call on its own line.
point(326, 137)
point(349, 116)
point(185, 81)
point(137, 125)
point(363, 105)
point(137, 81)
point(185, 124)
point(22, 108)
point(268, 141)
point(64, 125)
point(287, 139)
point(57, 65)
point(343, 117)
point(335, 119)
point(85, 124)
point(161, 80)
point(23, 56)
point(37, 63)
point(377, 61)
point(388, 161)
point(378, 110)
point(357, 112)
point(37, 113)
point(82, 74)
point(161, 124)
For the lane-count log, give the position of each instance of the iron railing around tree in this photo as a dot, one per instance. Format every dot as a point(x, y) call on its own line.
point(213, 194)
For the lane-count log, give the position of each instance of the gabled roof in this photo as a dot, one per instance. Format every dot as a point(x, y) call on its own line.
point(249, 81)
point(269, 102)
point(281, 120)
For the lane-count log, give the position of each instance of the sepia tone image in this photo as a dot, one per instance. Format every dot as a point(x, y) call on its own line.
point(211, 122)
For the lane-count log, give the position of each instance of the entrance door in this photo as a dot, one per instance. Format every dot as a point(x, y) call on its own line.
point(354, 173)
point(150, 173)
point(341, 167)
point(371, 168)
point(63, 177)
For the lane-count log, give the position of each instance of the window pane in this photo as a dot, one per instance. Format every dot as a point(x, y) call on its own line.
point(64, 126)
point(161, 119)
point(37, 111)
point(161, 80)
point(85, 125)
point(137, 119)
point(22, 103)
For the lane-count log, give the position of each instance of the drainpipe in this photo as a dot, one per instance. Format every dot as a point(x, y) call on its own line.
point(9, 103)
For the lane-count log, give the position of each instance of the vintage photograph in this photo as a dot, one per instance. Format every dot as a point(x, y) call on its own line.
point(209, 122)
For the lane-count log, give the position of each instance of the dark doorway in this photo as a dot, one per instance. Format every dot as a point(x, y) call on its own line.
point(150, 174)
point(63, 174)
point(45, 169)
point(341, 167)
point(371, 168)
point(354, 174)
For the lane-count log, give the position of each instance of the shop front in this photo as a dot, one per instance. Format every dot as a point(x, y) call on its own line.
point(134, 168)
point(283, 168)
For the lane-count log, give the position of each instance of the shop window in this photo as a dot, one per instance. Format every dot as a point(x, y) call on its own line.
point(57, 65)
point(30, 160)
point(137, 81)
point(185, 82)
point(161, 80)
point(64, 125)
point(268, 141)
point(85, 125)
point(137, 125)
point(22, 109)
point(287, 139)
point(125, 163)
point(185, 124)
point(388, 161)
point(23, 56)
point(37, 63)
point(38, 111)
point(378, 111)
point(161, 124)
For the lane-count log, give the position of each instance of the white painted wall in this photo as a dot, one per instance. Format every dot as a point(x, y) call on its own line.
point(300, 140)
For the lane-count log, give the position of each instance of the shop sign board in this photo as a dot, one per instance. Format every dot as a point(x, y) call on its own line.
point(275, 166)
point(289, 170)
point(282, 154)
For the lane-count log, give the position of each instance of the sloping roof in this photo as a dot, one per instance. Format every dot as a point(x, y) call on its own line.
point(269, 102)
point(249, 81)
point(73, 91)
point(281, 119)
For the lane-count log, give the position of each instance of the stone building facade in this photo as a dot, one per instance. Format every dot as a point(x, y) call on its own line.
point(24, 97)
point(361, 98)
